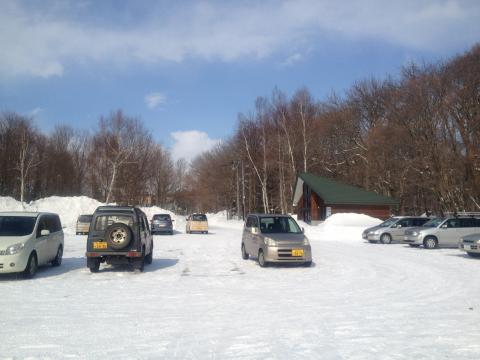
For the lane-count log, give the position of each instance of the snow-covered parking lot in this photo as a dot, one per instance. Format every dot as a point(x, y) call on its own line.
point(200, 300)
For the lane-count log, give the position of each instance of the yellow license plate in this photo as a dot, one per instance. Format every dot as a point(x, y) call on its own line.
point(297, 252)
point(99, 245)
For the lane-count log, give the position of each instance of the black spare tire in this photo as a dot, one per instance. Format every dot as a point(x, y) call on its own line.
point(118, 236)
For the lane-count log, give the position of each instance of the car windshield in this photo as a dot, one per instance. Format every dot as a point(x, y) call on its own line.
point(85, 218)
point(434, 222)
point(199, 217)
point(278, 225)
point(389, 222)
point(16, 225)
point(161, 217)
point(105, 221)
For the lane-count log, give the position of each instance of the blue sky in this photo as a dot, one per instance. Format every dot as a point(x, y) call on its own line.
point(187, 68)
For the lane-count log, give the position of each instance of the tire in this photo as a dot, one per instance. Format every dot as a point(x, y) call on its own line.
point(139, 265)
point(93, 265)
point(58, 258)
point(430, 243)
point(245, 255)
point(149, 257)
point(386, 239)
point(414, 245)
point(118, 236)
point(32, 266)
point(261, 259)
point(171, 232)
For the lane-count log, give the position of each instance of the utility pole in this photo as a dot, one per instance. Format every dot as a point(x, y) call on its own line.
point(238, 190)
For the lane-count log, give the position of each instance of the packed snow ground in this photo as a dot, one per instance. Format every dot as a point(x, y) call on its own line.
point(200, 300)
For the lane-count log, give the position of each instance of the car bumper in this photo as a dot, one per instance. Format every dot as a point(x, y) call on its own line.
point(373, 237)
point(13, 263)
point(469, 247)
point(283, 254)
point(414, 240)
point(162, 229)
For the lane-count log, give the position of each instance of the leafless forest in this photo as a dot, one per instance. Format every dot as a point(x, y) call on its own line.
point(414, 136)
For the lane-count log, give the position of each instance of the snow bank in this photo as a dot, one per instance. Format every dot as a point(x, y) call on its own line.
point(69, 208)
point(220, 219)
point(344, 227)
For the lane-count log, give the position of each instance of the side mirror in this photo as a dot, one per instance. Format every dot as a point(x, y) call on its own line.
point(254, 230)
point(444, 226)
point(303, 230)
point(44, 232)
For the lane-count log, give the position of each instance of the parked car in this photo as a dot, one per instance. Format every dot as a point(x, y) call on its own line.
point(119, 235)
point(442, 232)
point(197, 223)
point(83, 224)
point(393, 229)
point(275, 239)
point(162, 223)
point(29, 240)
point(470, 244)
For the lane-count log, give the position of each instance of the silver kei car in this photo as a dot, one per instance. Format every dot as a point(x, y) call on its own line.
point(442, 232)
point(470, 244)
point(393, 229)
point(28, 240)
point(275, 239)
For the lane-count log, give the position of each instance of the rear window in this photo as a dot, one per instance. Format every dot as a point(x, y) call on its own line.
point(161, 217)
point(199, 217)
point(85, 218)
point(105, 221)
point(16, 225)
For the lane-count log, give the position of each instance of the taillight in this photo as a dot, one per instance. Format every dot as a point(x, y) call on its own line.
point(134, 254)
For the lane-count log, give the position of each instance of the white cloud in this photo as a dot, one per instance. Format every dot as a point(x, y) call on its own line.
point(41, 41)
point(190, 144)
point(36, 111)
point(292, 59)
point(155, 99)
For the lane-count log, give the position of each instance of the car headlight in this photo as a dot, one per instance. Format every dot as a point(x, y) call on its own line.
point(270, 242)
point(14, 249)
point(306, 242)
point(376, 232)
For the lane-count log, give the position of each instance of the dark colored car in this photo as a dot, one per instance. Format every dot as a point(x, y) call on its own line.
point(119, 235)
point(162, 223)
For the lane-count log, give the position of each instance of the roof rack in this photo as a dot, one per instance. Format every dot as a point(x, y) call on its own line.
point(462, 213)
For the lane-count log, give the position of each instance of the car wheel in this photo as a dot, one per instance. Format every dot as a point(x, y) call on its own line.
point(244, 253)
point(118, 236)
point(149, 257)
point(414, 245)
point(386, 239)
point(93, 265)
point(430, 243)
point(32, 266)
point(261, 259)
point(58, 258)
point(475, 255)
point(139, 265)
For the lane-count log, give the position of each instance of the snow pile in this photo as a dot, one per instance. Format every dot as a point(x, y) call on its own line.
point(8, 203)
point(220, 219)
point(69, 208)
point(345, 227)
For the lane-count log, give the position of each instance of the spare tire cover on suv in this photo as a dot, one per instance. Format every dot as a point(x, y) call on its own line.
point(118, 236)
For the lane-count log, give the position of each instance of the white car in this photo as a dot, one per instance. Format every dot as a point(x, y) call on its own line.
point(28, 240)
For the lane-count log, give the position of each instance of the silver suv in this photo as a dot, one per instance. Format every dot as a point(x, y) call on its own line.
point(393, 229)
point(275, 239)
point(442, 232)
point(28, 240)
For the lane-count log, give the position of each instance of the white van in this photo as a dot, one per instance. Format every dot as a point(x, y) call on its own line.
point(28, 240)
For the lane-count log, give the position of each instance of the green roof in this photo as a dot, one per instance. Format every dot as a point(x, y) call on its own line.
point(334, 192)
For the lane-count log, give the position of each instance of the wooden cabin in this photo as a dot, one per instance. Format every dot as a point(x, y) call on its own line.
point(316, 198)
